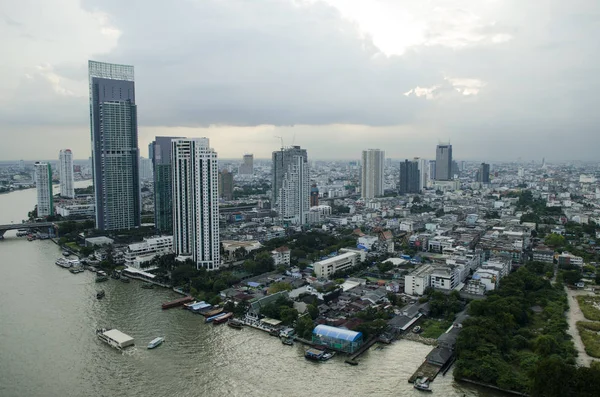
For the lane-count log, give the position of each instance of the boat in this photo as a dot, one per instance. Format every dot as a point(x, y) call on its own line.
point(222, 319)
point(114, 338)
point(274, 332)
point(156, 342)
point(237, 324)
point(212, 313)
point(416, 329)
point(287, 341)
point(314, 354)
point(327, 356)
point(125, 280)
point(63, 262)
point(422, 384)
point(66, 253)
point(100, 279)
point(76, 270)
point(147, 286)
point(177, 302)
point(100, 294)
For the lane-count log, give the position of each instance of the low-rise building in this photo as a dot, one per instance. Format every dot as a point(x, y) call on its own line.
point(281, 256)
point(76, 210)
point(543, 254)
point(327, 267)
point(502, 265)
point(140, 253)
point(568, 259)
point(446, 278)
point(418, 280)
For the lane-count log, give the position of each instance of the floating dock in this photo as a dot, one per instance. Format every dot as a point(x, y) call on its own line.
point(115, 338)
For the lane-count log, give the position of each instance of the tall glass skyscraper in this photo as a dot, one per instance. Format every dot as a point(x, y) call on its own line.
point(115, 153)
point(160, 151)
point(443, 162)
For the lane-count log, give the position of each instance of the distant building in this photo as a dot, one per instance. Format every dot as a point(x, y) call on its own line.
point(327, 267)
point(145, 169)
point(43, 185)
point(314, 195)
point(432, 168)
point(115, 153)
point(281, 256)
point(483, 173)
point(409, 177)
point(226, 185)
point(247, 166)
point(443, 162)
point(195, 202)
point(65, 169)
point(372, 173)
point(290, 185)
point(160, 150)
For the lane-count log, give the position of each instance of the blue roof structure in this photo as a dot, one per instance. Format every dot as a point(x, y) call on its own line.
point(339, 333)
point(253, 284)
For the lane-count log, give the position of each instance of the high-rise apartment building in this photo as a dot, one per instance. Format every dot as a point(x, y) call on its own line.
point(443, 162)
point(483, 173)
point(160, 149)
point(409, 177)
point(431, 169)
point(115, 153)
point(195, 202)
point(65, 168)
point(372, 173)
point(247, 166)
point(43, 185)
point(226, 185)
point(146, 173)
point(314, 196)
point(290, 185)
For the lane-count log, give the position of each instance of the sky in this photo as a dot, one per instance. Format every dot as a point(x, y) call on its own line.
point(502, 80)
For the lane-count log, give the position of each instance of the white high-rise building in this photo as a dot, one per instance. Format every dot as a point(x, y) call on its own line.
point(291, 185)
point(65, 168)
point(195, 202)
point(43, 185)
point(423, 173)
point(146, 169)
point(372, 173)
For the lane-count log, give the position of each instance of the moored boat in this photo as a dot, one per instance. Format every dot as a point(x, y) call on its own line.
point(422, 384)
point(222, 319)
point(287, 341)
point(237, 324)
point(314, 354)
point(156, 342)
point(416, 329)
point(100, 294)
point(212, 313)
point(66, 253)
point(177, 302)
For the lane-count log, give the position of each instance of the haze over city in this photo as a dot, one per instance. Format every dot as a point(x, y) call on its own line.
point(501, 80)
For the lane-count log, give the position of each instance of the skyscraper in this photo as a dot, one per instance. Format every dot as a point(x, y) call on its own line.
point(409, 177)
point(431, 169)
point(43, 185)
point(314, 195)
point(443, 162)
point(247, 167)
point(483, 173)
point(226, 185)
point(65, 168)
point(195, 201)
point(423, 173)
point(372, 173)
point(290, 185)
point(115, 153)
point(160, 149)
point(146, 169)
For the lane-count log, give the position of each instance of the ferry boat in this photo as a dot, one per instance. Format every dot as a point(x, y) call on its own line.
point(318, 355)
point(156, 342)
point(114, 338)
point(177, 302)
point(422, 384)
point(222, 319)
point(100, 294)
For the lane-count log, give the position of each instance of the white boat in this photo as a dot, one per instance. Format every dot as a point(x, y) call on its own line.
point(156, 342)
point(115, 338)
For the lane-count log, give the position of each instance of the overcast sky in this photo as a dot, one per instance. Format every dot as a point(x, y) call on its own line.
point(501, 79)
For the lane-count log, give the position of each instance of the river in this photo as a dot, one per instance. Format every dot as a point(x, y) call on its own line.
point(48, 346)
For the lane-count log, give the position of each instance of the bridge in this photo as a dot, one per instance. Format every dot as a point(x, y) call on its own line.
point(34, 225)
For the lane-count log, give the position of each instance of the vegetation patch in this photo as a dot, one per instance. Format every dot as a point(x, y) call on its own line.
point(434, 328)
point(590, 307)
point(590, 336)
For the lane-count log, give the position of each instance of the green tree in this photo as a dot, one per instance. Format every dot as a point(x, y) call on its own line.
point(313, 311)
point(288, 315)
point(304, 327)
point(555, 240)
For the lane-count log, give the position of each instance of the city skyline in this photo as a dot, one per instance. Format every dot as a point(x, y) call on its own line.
point(456, 73)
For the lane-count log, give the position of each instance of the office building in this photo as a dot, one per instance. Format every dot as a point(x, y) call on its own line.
point(431, 169)
point(290, 185)
point(372, 173)
point(226, 185)
point(146, 169)
point(329, 266)
point(443, 162)
point(115, 154)
point(409, 177)
point(160, 149)
point(43, 185)
point(65, 168)
point(314, 195)
point(483, 173)
point(247, 167)
point(195, 202)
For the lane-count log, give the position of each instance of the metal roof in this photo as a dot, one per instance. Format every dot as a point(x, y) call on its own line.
point(118, 336)
point(339, 333)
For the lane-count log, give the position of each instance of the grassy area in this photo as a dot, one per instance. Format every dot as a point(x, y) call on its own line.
point(590, 337)
point(586, 303)
point(434, 328)
point(73, 246)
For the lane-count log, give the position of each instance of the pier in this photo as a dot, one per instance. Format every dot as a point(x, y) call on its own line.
point(352, 359)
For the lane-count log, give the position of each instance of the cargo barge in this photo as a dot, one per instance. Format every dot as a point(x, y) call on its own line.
point(177, 302)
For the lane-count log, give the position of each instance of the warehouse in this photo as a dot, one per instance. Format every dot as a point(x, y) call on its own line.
point(337, 338)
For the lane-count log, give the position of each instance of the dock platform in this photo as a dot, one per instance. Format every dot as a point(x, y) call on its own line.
point(352, 359)
point(425, 370)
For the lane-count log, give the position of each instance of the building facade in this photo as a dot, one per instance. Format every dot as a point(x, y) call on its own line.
point(290, 185)
point(43, 185)
point(483, 173)
point(443, 162)
point(409, 177)
point(281, 256)
point(115, 153)
point(195, 202)
point(226, 185)
point(160, 152)
point(139, 253)
point(145, 169)
point(314, 195)
point(247, 166)
point(65, 168)
point(372, 173)
point(329, 266)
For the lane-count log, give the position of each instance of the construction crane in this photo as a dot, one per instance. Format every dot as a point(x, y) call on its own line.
point(281, 138)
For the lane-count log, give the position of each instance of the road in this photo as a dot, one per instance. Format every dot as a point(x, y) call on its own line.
point(573, 315)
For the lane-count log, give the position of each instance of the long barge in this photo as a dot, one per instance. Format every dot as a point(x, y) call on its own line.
point(222, 319)
point(177, 302)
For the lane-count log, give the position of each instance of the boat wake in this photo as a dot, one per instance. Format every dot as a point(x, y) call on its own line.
point(129, 352)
